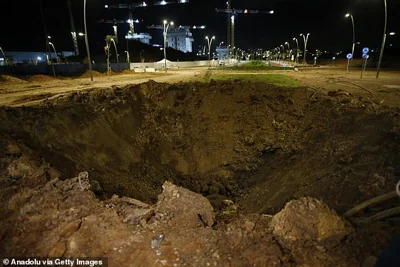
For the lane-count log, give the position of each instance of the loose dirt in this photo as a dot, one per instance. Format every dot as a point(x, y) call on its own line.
point(7, 79)
point(256, 145)
point(41, 78)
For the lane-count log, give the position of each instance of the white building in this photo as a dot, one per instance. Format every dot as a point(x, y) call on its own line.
point(180, 38)
point(141, 37)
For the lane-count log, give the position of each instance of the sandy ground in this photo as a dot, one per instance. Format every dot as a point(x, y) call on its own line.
point(18, 94)
point(325, 79)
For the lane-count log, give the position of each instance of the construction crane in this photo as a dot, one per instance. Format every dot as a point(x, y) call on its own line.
point(142, 4)
point(231, 15)
point(115, 22)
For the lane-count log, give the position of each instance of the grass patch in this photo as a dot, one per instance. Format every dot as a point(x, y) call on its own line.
point(275, 79)
point(256, 65)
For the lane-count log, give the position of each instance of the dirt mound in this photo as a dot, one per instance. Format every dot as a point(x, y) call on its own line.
point(127, 72)
point(95, 74)
point(41, 78)
point(48, 217)
point(11, 79)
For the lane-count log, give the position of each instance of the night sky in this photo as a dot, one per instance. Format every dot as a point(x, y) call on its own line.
point(22, 27)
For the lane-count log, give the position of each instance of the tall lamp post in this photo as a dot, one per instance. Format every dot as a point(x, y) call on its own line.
point(52, 45)
point(297, 51)
point(5, 59)
point(383, 42)
point(354, 40)
point(288, 45)
point(209, 41)
point(127, 57)
point(305, 38)
point(166, 26)
point(283, 52)
point(86, 41)
point(116, 52)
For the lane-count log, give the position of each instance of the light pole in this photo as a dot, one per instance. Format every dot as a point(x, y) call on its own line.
point(297, 51)
point(86, 41)
point(354, 40)
point(287, 43)
point(51, 44)
point(283, 52)
point(305, 38)
point(116, 52)
point(166, 26)
point(5, 59)
point(209, 41)
point(127, 57)
point(383, 42)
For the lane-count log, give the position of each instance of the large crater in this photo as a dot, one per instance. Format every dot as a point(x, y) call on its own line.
point(257, 144)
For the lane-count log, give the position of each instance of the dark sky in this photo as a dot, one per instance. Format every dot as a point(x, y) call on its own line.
point(22, 27)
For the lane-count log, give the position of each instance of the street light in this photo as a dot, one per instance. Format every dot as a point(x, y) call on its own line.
point(127, 57)
point(116, 52)
point(287, 43)
point(86, 40)
point(166, 26)
point(209, 48)
point(305, 38)
point(392, 33)
point(50, 43)
point(5, 59)
point(383, 41)
point(354, 41)
point(297, 51)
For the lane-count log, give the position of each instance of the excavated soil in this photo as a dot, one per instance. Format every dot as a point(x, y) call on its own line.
point(41, 78)
point(255, 144)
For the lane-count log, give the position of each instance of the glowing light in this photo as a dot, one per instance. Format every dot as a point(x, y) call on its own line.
point(271, 12)
point(163, 2)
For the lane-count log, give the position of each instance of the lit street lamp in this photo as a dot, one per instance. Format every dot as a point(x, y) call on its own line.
point(86, 40)
point(166, 26)
point(127, 57)
point(287, 43)
point(5, 59)
point(209, 41)
point(50, 43)
point(116, 52)
point(297, 51)
point(305, 38)
point(354, 41)
point(383, 41)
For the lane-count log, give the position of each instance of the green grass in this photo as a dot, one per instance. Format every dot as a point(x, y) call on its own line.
point(257, 65)
point(275, 79)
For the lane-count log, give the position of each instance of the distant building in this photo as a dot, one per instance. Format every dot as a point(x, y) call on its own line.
point(141, 37)
point(180, 38)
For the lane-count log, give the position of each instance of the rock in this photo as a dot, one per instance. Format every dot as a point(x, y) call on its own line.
point(248, 226)
point(185, 208)
point(12, 150)
point(19, 168)
point(58, 250)
point(71, 228)
point(308, 221)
